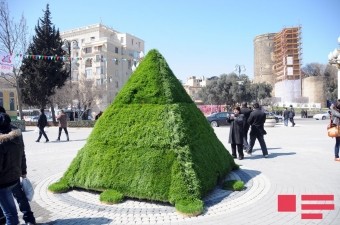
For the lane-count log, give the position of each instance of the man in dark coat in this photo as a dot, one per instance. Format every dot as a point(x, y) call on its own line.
point(285, 117)
point(291, 115)
point(246, 113)
point(42, 122)
point(236, 133)
point(256, 120)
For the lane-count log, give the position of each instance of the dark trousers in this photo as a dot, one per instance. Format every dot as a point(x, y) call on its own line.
point(42, 132)
point(66, 132)
point(245, 138)
point(292, 121)
point(24, 206)
point(239, 150)
point(260, 138)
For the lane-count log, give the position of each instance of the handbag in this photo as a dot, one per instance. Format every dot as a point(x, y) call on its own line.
point(28, 188)
point(333, 130)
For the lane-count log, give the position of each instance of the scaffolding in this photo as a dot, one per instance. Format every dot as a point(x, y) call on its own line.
point(287, 64)
point(287, 54)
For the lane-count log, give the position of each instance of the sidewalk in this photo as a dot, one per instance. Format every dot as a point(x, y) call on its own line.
point(301, 161)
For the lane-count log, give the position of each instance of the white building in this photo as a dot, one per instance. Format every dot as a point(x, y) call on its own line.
point(104, 55)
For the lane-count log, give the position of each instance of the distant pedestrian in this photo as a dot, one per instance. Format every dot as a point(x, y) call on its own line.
point(236, 133)
point(256, 120)
point(285, 117)
point(291, 115)
point(62, 118)
point(335, 116)
point(42, 123)
point(246, 112)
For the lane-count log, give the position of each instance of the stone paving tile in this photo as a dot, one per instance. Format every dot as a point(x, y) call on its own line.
point(300, 162)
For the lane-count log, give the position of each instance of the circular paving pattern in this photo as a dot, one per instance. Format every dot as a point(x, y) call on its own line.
point(82, 204)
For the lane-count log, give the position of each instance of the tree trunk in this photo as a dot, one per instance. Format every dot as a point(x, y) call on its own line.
point(53, 113)
point(19, 99)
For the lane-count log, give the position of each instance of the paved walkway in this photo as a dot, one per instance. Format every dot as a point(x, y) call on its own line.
point(301, 162)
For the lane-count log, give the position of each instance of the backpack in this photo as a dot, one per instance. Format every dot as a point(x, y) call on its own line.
point(291, 114)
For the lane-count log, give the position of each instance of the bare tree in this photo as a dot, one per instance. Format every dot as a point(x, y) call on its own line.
point(13, 39)
point(87, 93)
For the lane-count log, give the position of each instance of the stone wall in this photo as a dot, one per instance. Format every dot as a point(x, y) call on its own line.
point(313, 88)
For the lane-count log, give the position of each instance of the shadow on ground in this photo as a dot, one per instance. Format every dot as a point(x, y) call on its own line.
point(82, 221)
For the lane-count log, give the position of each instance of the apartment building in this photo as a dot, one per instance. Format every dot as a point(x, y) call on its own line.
point(193, 85)
point(104, 55)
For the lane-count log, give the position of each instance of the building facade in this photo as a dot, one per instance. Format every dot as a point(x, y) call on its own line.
point(193, 85)
point(8, 98)
point(104, 55)
point(278, 60)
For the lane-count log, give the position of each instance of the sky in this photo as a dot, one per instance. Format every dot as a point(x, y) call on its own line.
point(199, 38)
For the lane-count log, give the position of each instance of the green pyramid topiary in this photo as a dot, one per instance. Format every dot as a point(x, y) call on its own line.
point(151, 143)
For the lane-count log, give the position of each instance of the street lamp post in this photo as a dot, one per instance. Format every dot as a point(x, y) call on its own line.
point(67, 46)
point(334, 59)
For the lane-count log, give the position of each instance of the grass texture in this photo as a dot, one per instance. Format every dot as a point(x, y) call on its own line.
point(151, 143)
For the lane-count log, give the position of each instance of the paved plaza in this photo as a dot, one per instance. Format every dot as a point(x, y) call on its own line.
point(300, 162)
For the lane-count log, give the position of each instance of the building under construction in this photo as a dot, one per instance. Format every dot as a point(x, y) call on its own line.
point(287, 64)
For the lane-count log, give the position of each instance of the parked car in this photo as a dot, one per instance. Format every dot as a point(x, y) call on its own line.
point(278, 118)
point(322, 116)
point(218, 119)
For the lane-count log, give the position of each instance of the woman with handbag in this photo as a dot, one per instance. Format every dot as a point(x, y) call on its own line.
point(335, 115)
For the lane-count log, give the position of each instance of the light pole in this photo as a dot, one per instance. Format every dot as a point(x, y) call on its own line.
point(67, 46)
point(334, 59)
point(239, 69)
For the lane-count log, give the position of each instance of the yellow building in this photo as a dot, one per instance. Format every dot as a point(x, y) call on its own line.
point(8, 98)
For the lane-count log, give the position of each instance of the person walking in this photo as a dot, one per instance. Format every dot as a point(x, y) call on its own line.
point(11, 154)
point(246, 113)
point(42, 122)
point(256, 120)
point(62, 118)
point(285, 117)
point(236, 133)
point(291, 115)
point(335, 117)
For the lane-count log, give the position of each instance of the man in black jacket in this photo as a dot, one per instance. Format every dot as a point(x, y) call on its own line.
point(256, 120)
point(246, 113)
point(42, 122)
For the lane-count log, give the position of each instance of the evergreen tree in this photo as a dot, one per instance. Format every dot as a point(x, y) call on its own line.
point(42, 75)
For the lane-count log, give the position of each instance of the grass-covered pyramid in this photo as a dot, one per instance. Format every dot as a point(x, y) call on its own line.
point(151, 143)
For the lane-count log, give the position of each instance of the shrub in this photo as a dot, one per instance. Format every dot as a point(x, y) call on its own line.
point(190, 207)
point(111, 197)
point(59, 187)
point(152, 142)
point(233, 185)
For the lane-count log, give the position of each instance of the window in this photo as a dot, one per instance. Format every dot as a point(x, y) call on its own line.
point(99, 48)
point(11, 101)
point(98, 82)
point(82, 40)
point(88, 62)
point(116, 61)
point(122, 40)
point(98, 58)
point(117, 84)
point(116, 50)
point(98, 70)
point(132, 41)
point(88, 50)
point(88, 73)
point(92, 38)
